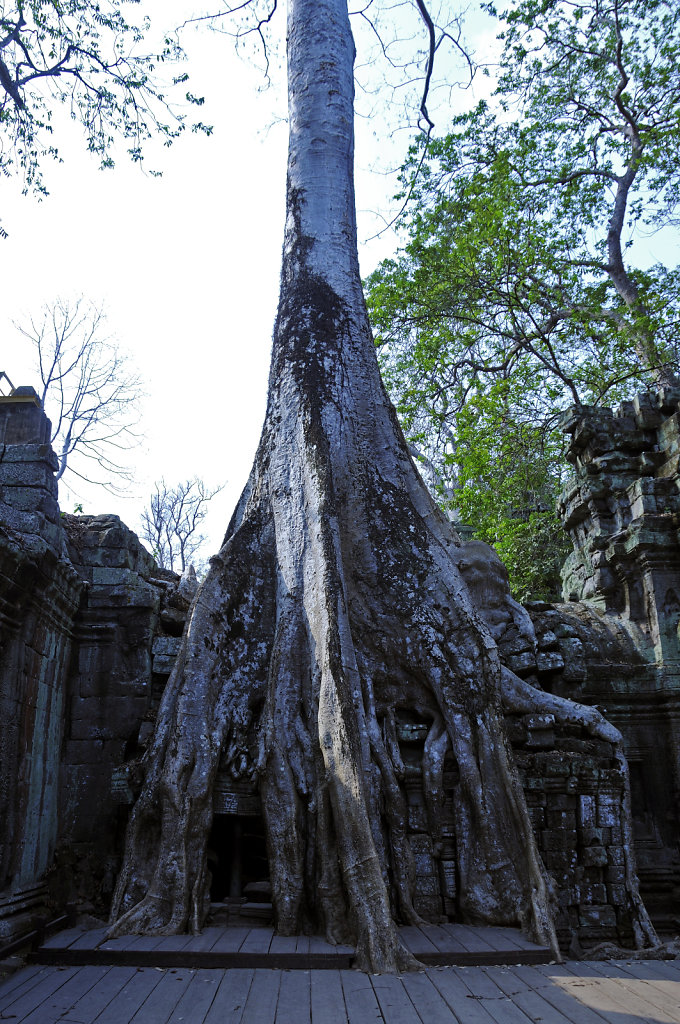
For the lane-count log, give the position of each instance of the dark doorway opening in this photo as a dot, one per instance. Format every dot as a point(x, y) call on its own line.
point(237, 855)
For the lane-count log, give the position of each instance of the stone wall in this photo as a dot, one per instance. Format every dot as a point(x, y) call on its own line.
point(574, 783)
point(575, 792)
point(39, 594)
point(109, 696)
point(130, 611)
point(83, 607)
point(617, 635)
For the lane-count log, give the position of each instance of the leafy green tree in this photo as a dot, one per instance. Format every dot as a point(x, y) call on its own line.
point(510, 473)
point(84, 55)
point(517, 293)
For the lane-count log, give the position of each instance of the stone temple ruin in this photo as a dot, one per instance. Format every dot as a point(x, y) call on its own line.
point(90, 627)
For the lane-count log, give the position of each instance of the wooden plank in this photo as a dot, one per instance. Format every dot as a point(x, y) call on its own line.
point(603, 986)
point(229, 1002)
point(526, 997)
point(145, 943)
point(90, 939)
point(124, 942)
point(160, 1003)
point(246, 947)
point(461, 936)
point(599, 994)
point(393, 999)
point(502, 938)
point(197, 998)
point(564, 1002)
point(668, 970)
point(447, 940)
point(22, 979)
point(495, 1001)
point(122, 1008)
point(431, 1006)
point(260, 1005)
point(206, 940)
point(449, 984)
point(283, 944)
point(482, 959)
point(186, 959)
point(129, 942)
point(486, 945)
point(361, 1003)
point(23, 1002)
point(294, 1005)
point(61, 1002)
point(62, 940)
point(416, 940)
point(92, 1003)
point(230, 940)
point(666, 1003)
point(327, 999)
point(658, 973)
point(639, 995)
point(317, 944)
point(173, 943)
point(258, 940)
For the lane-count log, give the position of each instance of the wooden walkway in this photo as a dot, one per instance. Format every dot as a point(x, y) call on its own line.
point(646, 992)
point(244, 947)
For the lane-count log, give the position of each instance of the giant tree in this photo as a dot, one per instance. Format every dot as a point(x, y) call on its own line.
point(334, 602)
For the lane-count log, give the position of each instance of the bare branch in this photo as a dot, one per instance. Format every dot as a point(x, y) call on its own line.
point(88, 389)
point(171, 521)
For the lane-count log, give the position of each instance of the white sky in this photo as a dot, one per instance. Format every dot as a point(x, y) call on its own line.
point(187, 266)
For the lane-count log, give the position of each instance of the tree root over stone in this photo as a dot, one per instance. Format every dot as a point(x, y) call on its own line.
point(520, 697)
point(334, 602)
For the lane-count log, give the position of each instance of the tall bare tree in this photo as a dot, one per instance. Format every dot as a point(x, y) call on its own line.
point(89, 390)
point(171, 521)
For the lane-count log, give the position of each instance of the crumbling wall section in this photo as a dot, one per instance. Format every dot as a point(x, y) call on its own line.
point(39, 593)
point(574, 782)
point(618, 632)
point(575, 792)
point(81, 605)
point(108, 697)
point(130, 610)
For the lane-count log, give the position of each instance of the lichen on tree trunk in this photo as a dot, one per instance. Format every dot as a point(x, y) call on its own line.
point(334, 602)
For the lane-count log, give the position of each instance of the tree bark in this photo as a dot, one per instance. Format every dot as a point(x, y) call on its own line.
point(334, 602)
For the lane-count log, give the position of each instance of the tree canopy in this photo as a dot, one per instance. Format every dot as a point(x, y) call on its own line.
point(86, 56)
point(518, 291)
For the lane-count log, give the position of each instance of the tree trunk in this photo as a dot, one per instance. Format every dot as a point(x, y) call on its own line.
point(644, 340)
point(333, 604)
